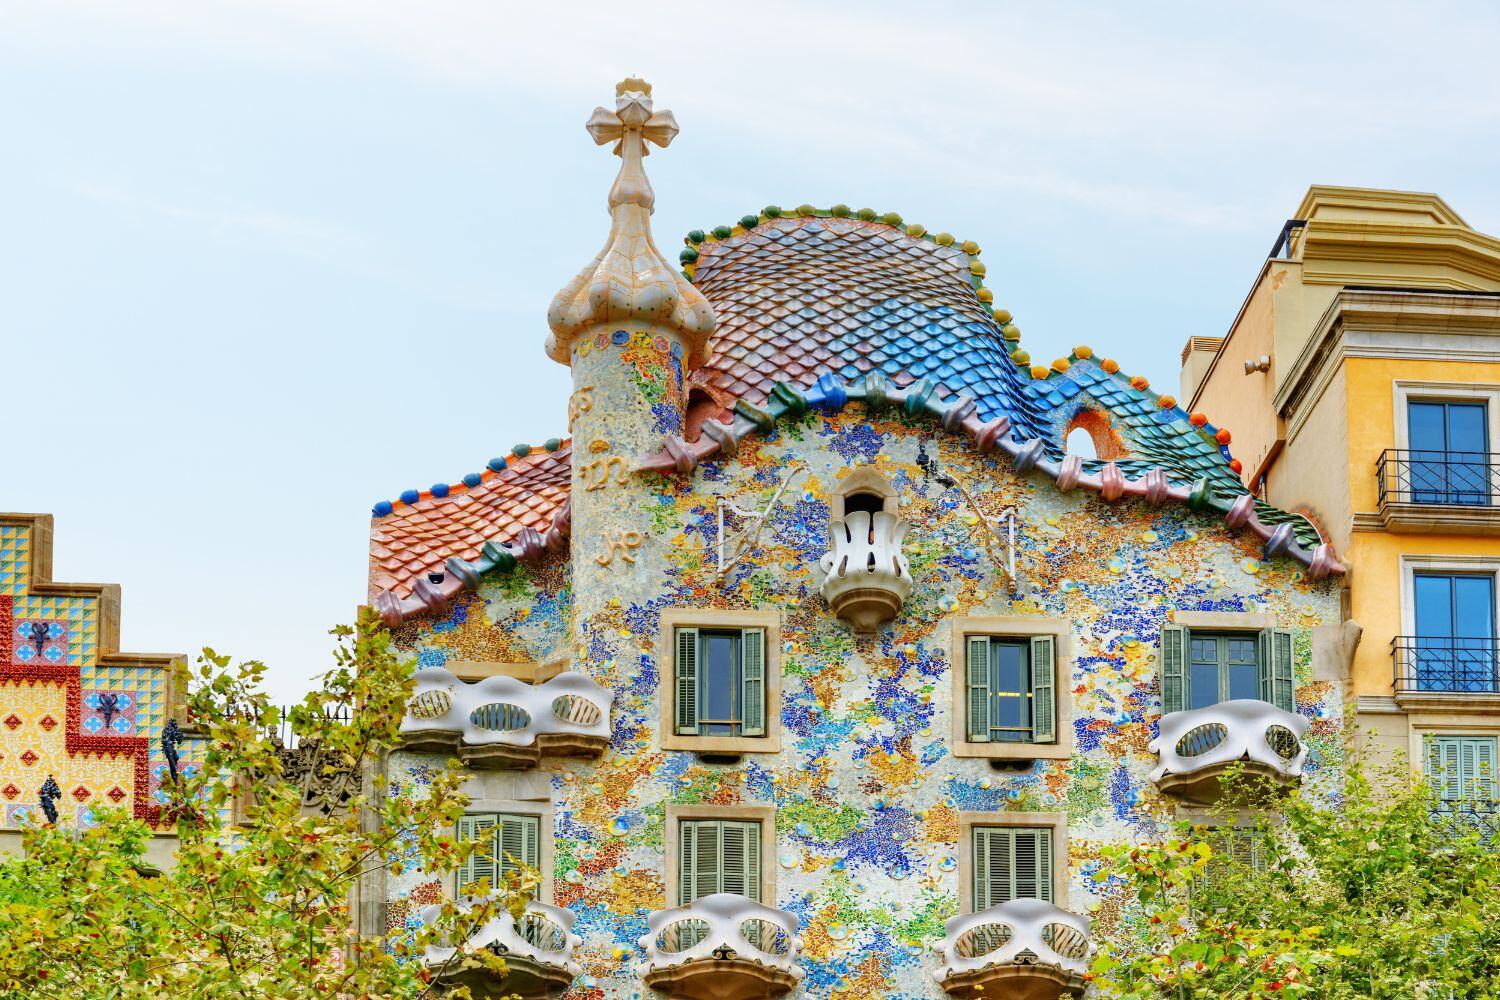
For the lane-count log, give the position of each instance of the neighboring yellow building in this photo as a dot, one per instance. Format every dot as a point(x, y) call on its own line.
point(1361, 381)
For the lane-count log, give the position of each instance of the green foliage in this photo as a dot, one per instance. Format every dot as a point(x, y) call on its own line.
point(258, 899)
point(1380, 898)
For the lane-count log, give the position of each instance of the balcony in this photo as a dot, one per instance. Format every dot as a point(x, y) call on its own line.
point(1439, 491)
point(1025, 949)
point(1432, 670)
point(866, 579)
point(721, 947)
point(538, 951)
point(501, 722)
point(1195, 749)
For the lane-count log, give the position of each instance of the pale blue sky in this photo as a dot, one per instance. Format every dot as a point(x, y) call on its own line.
point(267, 263)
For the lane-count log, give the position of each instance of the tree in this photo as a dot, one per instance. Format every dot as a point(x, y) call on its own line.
point(1384, 893)
point(258, 907)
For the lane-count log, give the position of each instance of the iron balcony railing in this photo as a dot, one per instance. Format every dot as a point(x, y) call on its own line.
point(1463, 665)
point(1447, 478)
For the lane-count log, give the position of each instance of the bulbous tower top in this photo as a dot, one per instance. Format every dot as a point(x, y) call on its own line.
point(630, 280)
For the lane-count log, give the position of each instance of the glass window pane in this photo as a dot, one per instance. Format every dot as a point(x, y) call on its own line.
point(1473, 605)
point(1466, 427)
point(719, 683)
point(1010, 691)
point(1434, 604)
point(1426, 428)
point(1203, 671)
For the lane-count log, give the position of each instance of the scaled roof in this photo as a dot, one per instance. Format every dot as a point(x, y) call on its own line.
point(821, 302)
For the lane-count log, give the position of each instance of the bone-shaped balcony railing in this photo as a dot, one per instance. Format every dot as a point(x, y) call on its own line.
point(502, 712)
point(1247, 729)
point(1016, 932)
point(543, 935)
point(724, 923)
point(866, 579)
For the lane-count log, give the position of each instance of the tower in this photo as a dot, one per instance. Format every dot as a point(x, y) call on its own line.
point(631, 328)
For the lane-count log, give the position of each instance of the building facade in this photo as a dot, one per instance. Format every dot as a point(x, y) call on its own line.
point(1362, 380)
point(809, 660)
point(80, 722)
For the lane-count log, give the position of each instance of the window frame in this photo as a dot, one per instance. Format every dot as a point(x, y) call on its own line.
point(678, 813)
point(543, 812)
point(1250, 624)
point(1021, 628)
point(1427, 742)
point(1408, 391)
point(769, 622)
point(1055, 822)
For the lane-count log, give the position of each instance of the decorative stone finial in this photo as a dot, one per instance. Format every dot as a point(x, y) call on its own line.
point(630, 279)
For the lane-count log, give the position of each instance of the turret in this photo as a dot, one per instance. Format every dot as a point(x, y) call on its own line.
point(631, 327)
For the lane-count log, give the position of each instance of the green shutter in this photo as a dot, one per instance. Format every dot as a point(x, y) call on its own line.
point(1462, 767)
point(719, 856)
point(753, 681)
point(1011, 863)
point(481, 864)
point(1043, 690)
point(979, 688)
point(1278, 684)
point(686, 672)
point(517, 842)
point(1174, 645)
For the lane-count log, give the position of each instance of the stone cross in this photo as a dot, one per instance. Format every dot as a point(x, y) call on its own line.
point(630, 126)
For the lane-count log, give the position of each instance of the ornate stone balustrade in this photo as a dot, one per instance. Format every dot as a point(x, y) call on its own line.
point(1026, 949)
point(504, 722)
point(1197, 747)
point(866, 579)
point(721, 947)
point(538, 950)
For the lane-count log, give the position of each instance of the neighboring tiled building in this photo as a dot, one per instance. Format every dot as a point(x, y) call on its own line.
point(811, 651)
point(73, 708)
point(1362, 380)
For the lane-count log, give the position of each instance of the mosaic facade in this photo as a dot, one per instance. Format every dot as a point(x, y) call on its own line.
point(848, 344)
point(72, 707)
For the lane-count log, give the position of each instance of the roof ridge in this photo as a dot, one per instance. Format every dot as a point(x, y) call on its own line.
point(493, 469)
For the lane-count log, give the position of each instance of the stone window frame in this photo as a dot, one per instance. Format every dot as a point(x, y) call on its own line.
point(1056, 821)
point(1020, 627)
point(677, 812)
point(666, 663)
point(1421, 725)
point(1406, 391)
point(864, 479)
point(545, 811)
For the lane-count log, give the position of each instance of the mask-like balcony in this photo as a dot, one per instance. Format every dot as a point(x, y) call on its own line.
point(866, 579)
point(502, 722)
point(538, 951)
point(721, 947)
point(1023, 949)
point(1195, 749)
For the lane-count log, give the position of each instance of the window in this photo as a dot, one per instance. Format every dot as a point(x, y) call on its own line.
point(1454, 645)
point(511, 839)
point(1449, 442)
point(1203, 668)
point(1462, 768)
point(718, 855)
point(721, 682)
point(1011, 862)
point(1012, 686)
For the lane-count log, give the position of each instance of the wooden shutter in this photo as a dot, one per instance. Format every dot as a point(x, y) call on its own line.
point(1011, 863)
point(1273, 654)
point(1476, 767)
point(1444, 769)
point(719, 856)
point(517, 841)
point(753, 681)
point(1043, 690)
point(739, 859)
point(481, 864)
point(979, 688)
point(1174, 680)
point(686, 671)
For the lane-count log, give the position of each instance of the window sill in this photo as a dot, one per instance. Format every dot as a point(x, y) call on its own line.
point(1061, 750)
point(1451, 701)
point(770, 743)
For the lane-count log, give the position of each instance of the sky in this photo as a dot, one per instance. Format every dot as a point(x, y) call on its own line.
point(263, 264)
